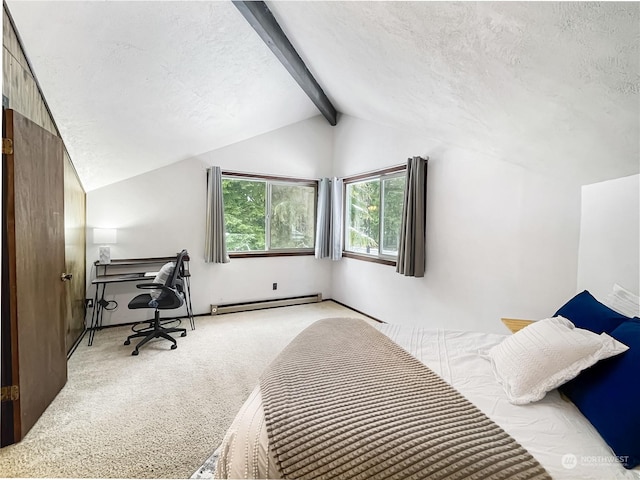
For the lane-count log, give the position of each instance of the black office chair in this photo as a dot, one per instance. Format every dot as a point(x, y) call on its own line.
point(171, 295)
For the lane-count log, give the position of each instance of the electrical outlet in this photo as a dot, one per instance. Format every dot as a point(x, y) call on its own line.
point(275, 286)
point(89, 302)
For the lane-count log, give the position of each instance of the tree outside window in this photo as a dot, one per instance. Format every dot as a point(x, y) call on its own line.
point(265, 215)
point(373, 215)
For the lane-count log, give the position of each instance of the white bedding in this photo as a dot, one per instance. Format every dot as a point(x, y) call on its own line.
point(553, 430)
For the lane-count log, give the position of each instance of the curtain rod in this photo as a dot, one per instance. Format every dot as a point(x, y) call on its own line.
point(268, 177)
point(374, 173)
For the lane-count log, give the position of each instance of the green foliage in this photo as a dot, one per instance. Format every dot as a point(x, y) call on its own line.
point(244, 207)
point(364, 213)
point(292, 215)
point(393, 201)
point(291, 218)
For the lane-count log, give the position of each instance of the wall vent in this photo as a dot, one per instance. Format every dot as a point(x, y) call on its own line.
point(261, 304)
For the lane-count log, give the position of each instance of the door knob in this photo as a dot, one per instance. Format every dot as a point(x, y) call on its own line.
point(65, 277)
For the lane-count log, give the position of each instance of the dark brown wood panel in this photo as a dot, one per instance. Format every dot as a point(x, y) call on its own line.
point(10, 415)
point(36, 264)
point(75, 252)
point(21, 88)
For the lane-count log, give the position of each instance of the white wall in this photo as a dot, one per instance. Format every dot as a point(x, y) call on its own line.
point(609, 237)
point(501, 241)
point(163, 211)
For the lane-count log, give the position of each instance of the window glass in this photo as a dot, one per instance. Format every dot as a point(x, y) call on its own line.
point(363, 204)
point(393, 199)
point(263, 215)
point(292, 216)
point(373, 210)
point(244, 214)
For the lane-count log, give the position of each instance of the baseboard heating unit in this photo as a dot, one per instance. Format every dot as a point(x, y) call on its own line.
point(260, 304)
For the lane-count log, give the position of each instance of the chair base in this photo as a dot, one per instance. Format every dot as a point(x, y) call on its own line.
point(157, 331)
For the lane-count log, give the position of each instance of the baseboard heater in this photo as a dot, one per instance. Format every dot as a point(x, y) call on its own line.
point(261, 304)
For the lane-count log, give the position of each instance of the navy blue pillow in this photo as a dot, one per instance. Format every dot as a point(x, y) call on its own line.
point(586, 312)
point(608, 394)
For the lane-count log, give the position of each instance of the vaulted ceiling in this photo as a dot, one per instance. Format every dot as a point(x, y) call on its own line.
point(134, 86)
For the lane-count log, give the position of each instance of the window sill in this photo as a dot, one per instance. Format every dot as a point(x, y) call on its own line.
point(367, 258)
point(299, 253)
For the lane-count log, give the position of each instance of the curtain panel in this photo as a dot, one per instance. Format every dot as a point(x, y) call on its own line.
point(337, 205)
point(323, 219)
point(411, 249)
point(215, 247)
point(329, 219)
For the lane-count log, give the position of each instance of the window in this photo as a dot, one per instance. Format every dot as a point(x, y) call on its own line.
point(373, 212)
point(265, 214)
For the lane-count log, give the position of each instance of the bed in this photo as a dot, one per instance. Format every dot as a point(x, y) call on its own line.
point(553, 431)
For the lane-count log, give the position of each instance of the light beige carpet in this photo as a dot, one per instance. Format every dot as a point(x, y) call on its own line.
point(160, 414)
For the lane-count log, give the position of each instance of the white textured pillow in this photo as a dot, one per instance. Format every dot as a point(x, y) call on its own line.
point(161, 278)
point(545, 355)
point(623, 301)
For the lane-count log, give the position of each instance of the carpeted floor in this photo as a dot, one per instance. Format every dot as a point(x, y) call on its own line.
point(160, 414)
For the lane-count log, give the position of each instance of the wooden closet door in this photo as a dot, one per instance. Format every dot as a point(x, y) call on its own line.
point(34, 235)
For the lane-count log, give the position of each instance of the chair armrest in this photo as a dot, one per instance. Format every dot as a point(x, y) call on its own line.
point(159, 286)
point(150, 286)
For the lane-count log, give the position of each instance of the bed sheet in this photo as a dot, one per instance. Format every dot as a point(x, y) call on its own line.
point(553, 430)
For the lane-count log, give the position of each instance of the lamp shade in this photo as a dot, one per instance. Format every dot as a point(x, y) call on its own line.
point(104, 236)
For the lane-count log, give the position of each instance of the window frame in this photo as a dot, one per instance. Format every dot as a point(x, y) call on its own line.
point(269, 180)
point(380, 175)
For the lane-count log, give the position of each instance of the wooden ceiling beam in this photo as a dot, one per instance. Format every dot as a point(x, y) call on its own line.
point(264, 23)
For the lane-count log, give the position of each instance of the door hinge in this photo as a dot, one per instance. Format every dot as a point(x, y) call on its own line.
point(7, 146)
point(9, 393)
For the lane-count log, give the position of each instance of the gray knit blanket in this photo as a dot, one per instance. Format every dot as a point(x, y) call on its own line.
point(343, 401)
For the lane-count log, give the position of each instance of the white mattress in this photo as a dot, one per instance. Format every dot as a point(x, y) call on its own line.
point(553, 430)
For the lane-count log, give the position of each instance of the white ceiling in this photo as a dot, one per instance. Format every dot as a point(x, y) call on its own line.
point(134, 86)
point(137, 85)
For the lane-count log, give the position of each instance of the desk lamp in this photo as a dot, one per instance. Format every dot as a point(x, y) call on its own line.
point(103, 237)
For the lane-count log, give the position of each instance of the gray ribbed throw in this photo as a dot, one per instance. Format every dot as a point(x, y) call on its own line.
point(343, 401)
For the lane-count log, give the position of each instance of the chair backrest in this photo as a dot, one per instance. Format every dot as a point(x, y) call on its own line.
point(173, 298)
point(175, 279)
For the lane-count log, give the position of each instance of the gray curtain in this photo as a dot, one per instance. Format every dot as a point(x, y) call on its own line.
point(411, 250)
point(215, 247)
point(336, 218)
point(329, 219)
point(323, 219)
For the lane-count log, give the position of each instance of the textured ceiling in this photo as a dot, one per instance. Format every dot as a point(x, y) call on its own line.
point(134, 86)
point(137, 85)
point(551, 85)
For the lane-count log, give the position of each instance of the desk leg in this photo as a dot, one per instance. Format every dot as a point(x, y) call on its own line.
point(188, 303)
point(96, 316)
point(104, 287)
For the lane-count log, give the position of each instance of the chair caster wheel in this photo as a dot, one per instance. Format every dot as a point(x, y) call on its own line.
point(135, 352)
point(127, 342)
point(173, 347)
point(184, 334)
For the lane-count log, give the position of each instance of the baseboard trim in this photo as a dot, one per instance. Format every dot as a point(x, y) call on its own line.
point(354, 309)
point(77, 343)
point(264, 304)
